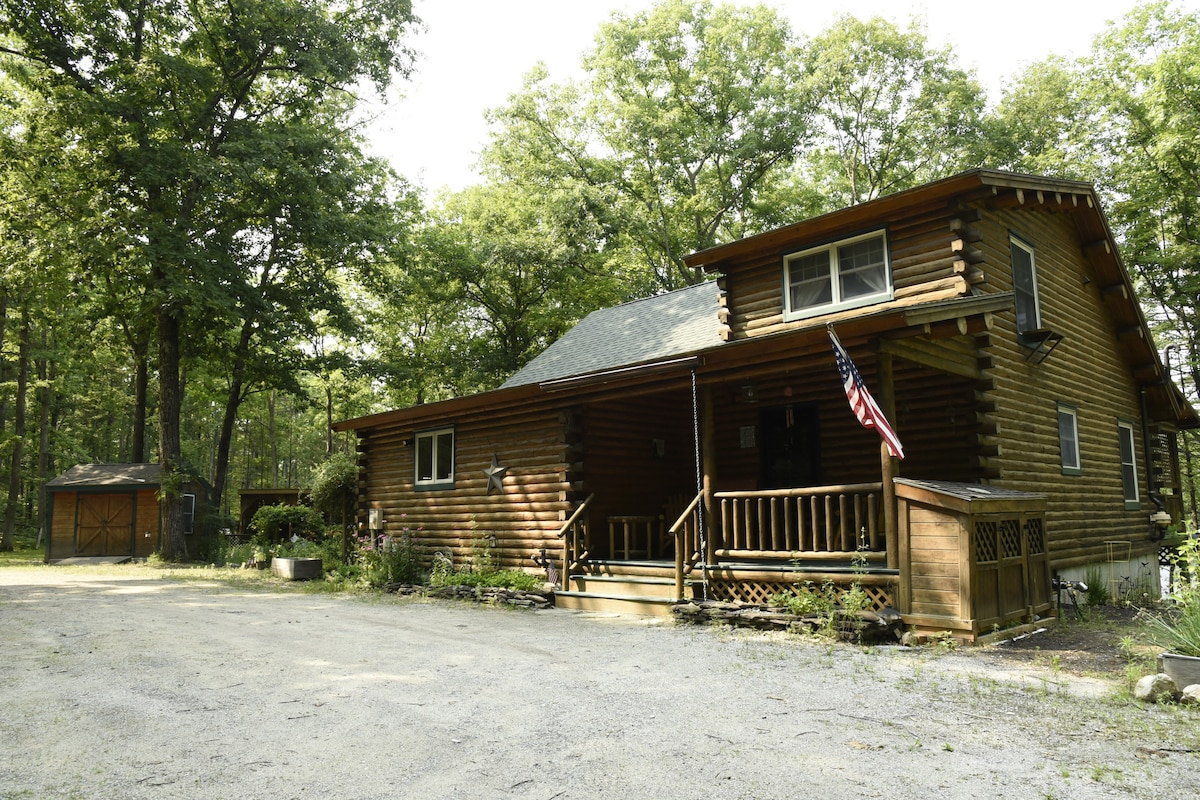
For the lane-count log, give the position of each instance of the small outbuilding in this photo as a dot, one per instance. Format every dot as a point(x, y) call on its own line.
point(110, 510)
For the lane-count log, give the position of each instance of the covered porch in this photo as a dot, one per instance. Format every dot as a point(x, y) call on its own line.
point(745, 474)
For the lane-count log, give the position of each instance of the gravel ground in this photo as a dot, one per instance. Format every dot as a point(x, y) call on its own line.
point(126, 686)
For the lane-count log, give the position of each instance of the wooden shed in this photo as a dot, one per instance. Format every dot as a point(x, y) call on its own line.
point(110, 511)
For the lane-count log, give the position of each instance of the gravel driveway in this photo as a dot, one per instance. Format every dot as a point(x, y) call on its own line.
point(119, 686)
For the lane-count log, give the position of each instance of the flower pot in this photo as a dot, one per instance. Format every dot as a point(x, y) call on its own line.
point(1184, 670)
point(297, 569)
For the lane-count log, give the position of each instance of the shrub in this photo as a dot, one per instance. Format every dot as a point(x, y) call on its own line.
point(1097, 588)
point(390, 560)
point(503, 578)
point(1178, 629)
point(273, 524)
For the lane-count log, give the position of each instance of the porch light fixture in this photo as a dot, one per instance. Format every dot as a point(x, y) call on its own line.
point(747, 393)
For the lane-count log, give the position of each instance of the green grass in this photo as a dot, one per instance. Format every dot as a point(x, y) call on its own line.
point(24, 555)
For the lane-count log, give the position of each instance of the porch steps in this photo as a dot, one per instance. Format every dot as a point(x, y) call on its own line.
point(634, 591)
point(615, 603)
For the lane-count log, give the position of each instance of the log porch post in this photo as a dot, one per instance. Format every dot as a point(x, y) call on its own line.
point(708, 436)
point(888, 464)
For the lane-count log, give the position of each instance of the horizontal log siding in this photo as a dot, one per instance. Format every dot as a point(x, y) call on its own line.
point(922, 270)
point(619, 466)
point(935, 420)
point(524, 518)
point(1088, 370)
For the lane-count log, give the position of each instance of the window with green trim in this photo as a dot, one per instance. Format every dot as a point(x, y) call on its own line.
point(1068, 439)
point(1129, 480)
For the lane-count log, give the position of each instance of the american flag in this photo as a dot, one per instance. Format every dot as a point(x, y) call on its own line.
point(861, 402)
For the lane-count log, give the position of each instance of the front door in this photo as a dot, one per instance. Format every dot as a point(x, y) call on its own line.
point(104, 525)
point(790, 446)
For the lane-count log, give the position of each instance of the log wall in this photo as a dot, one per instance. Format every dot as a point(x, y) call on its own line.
point(539, 486)
point(924, 268)
point(1002, 425)
point(934, 411)
point(1088, 370)
point(621, 464)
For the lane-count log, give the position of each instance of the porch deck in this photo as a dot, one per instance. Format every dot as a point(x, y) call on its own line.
point(967, 558)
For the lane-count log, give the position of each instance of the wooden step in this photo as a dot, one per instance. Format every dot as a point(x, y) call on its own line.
point(624, 585)
point(615, 603)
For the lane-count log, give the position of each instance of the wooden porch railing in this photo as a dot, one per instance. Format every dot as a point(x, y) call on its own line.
point(819, 522)
point(686, 530)
point(575, 542)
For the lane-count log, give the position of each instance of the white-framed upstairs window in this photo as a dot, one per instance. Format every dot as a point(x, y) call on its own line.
point(1025, 292)
point(1068, 439)
point(1129, 479)
point(849, 273)
point(434, 459)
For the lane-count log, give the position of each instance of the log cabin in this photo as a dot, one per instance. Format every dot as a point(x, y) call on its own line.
point(111, 511)
point(700, 443)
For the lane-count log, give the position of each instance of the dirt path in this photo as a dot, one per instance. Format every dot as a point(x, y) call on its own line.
point(129, 687)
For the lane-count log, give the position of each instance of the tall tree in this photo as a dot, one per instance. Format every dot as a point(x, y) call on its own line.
point(165, 106)
point(1044, 123)
point(1143, 78)
point(893, 112)
point(690, 113)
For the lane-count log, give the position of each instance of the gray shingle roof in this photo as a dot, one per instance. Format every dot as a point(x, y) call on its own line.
point(108, 475)
point(664, 326)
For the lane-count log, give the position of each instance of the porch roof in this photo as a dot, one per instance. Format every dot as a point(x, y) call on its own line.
point(665, 326)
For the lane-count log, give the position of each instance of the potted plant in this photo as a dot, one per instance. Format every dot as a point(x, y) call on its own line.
point(1177, 630)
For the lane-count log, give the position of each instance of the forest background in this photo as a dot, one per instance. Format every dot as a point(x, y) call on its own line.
point(201, 265)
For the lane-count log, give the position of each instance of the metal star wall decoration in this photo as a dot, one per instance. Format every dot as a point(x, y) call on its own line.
point(495, 475)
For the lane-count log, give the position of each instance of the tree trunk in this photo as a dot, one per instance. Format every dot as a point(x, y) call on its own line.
point(140, 386)
point(18, 451)
point(328, 421)
point(170, 403)
point(45, 400)
point(225, 441)
point(3, 360)
point(233, 402)
point(274, 441)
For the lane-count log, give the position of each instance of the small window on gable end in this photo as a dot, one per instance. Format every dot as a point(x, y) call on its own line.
point(847, 274)
point(1129, 481)
point(1068, 439)
point(434, 459)
point(1024, 267)
point(189, 513)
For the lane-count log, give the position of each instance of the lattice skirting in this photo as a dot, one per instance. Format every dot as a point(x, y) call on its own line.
point(760, 592)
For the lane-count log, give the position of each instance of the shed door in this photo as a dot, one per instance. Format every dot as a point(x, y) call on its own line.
point(105, 525)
